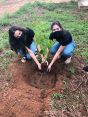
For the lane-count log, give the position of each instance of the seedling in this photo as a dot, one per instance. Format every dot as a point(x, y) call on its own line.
point(44, 62)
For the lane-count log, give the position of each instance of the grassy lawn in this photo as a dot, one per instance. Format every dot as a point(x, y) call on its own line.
point(39, 17)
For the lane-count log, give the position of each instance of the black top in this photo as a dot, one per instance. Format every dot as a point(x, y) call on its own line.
point(25, 39)
point(63, 37)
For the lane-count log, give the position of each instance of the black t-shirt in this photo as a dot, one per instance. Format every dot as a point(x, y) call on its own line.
point(28, 36)
point(63, 37)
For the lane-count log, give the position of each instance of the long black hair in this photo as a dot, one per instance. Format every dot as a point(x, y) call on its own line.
point(16, 44)
point(26, 37)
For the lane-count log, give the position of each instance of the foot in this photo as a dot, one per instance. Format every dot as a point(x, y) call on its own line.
point(23, 60)
point(68, 60)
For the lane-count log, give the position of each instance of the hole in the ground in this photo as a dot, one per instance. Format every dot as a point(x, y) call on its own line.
point(44, 67)
point(40, 79)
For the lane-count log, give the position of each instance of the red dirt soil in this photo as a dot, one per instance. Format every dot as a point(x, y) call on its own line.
point(30, 93)
point(11, 6)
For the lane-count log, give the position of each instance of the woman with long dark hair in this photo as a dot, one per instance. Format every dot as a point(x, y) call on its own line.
point(22, 42)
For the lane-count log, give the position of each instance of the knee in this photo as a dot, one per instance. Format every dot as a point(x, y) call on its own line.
point(67, 53)
point(28, 56)
point(33, 47)
point(52, 51)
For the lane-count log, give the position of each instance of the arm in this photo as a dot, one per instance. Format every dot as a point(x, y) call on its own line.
point(56, 56)
point(34, 58)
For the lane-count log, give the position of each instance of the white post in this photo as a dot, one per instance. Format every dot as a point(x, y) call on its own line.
point(83, 4)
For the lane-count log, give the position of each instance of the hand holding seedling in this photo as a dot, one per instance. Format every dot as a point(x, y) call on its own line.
point(44, 62)
point(49, 68)
point(34, 58)
point(39, 66)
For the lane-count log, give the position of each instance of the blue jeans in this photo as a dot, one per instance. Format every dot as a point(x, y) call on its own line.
point(32, 47)
point(67, 52)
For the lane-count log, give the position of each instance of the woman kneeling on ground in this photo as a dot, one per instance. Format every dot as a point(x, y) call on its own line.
point(22, 42)
point(64, 45)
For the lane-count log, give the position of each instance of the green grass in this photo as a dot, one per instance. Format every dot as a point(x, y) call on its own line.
point(39, 17)
point(2, 1)
point(57, 96)
point(4, 21)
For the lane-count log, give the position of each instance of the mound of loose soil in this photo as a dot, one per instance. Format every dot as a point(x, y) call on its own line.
point(30, 93)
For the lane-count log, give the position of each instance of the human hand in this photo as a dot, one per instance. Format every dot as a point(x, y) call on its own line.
point(39, 66)
point(49, 68)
